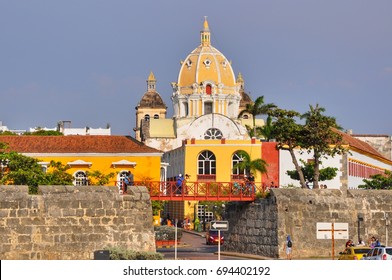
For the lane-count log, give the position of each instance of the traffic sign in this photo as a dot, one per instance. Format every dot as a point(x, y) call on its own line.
point(219, 225)
point(338, 230)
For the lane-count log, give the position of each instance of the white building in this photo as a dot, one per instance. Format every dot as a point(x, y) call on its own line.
point(65, 128)
point(361, 161)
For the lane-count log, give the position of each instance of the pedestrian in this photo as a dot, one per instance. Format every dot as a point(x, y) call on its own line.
point(349, 243)
point(361, 242)
point(128, 181)
point(251, 183)
point(372, 242)
point(179, 181)
point(288, 247)
point(125, 184)
point(184, 183)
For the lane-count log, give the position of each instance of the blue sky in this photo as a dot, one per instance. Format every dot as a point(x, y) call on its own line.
point(88, 61)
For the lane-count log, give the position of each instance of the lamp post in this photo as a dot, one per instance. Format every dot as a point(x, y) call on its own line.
point(204, 217)
point(360, 219)
point(386, 228)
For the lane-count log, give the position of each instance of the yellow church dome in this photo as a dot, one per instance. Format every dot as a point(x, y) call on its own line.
point(206, 69)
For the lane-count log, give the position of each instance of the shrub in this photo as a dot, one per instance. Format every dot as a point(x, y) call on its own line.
point(263, 194)
point(117, 253)
point(167, 233)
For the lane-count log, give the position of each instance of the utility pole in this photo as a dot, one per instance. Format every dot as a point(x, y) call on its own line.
point(386, 228)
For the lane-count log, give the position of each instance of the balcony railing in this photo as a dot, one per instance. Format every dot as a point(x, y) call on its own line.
point(213, 191)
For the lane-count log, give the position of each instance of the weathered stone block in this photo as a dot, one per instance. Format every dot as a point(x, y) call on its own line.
point(58, 227)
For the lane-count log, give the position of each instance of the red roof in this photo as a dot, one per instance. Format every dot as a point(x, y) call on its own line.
point(75, 144)
point(358, 144)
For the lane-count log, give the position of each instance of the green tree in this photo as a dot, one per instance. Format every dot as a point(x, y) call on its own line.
point(24, 170)
point(378, 182)
point(21, 170)
point(307, 168)
point(289, 136)
point(42, 132)
point(57, 174)
point(267, 130)
point(157, 206)
point(7, 132)
point(255, 109)
point(321, 138)
point(99, 178)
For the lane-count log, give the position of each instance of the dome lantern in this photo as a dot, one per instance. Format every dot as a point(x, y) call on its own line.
point(205, 34)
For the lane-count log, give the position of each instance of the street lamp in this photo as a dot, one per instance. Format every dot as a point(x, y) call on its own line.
point(386, 228)
point(360, 219)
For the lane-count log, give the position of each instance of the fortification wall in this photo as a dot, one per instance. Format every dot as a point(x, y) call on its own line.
point(261, 227)
point(66, 222)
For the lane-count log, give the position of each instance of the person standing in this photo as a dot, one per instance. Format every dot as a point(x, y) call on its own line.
point(251, 181)
point(361, 242)
point(288, 247)
point(125, 184)
point(128, 181)
point(179, 181)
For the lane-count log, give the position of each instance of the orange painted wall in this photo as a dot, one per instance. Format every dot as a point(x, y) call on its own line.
point(271, 155)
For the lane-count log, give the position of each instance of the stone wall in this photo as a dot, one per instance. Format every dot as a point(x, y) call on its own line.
point(66, 222)
point(261, 227)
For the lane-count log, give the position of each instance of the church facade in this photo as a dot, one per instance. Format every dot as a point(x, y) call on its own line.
point(204, 135)
point(206, 100)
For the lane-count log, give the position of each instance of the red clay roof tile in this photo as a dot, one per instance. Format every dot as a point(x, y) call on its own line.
point(75, 144)
point(358, 144)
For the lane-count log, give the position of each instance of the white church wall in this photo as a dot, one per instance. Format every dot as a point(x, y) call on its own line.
point(354, 181)
point(176, 162)
point(197, 128)
point(286, 163)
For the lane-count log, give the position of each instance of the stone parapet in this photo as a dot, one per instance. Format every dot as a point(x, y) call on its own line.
point(66, 222)
point(261, 227)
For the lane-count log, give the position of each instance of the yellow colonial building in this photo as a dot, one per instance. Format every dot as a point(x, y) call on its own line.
point(84, 154)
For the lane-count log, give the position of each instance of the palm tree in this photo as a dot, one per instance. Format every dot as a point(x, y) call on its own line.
point(266, 130)
point(257, 108)
point(251, 166)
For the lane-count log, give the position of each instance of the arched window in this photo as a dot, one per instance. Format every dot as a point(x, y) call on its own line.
point(80, 178)
point(156, 116)
point(237, 172)
point(208, 89)
point(206, 164)
point(213, 133)
point(147, 117)
point(245, 117)
point(122, 175)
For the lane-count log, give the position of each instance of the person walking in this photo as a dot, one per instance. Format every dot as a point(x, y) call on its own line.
point(128, 181)
point(288, 247)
